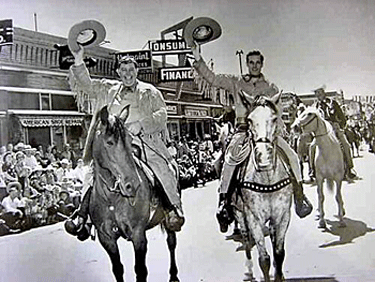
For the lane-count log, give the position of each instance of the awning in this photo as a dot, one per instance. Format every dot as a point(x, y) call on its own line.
point(46, 121)
point(33, 118)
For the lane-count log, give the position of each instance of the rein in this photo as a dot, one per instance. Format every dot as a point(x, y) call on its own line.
point(116, 188)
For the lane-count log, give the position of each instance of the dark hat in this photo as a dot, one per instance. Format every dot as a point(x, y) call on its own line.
point(201, 30)
point(88, 33)
point(15, 185)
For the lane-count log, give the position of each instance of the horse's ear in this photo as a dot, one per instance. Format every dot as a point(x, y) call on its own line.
point(104, 115)
point(277, 97)
point(124, 113)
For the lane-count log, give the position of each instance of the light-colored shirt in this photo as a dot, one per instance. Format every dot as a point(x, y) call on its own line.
point(11, 205)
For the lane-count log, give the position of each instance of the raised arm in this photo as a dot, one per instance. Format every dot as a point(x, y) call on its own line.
point(227, 82)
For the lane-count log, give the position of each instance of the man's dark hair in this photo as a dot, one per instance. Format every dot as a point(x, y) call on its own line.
point(255, 53)
point(127, 60)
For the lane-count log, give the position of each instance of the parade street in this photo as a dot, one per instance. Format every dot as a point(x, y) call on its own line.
point(203, 253)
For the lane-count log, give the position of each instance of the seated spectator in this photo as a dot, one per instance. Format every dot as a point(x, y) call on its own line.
point(36, 211)
point(13, 206)
point(80, 171)
point(64, 170)
point(3, 186)
point(30, 159)
point(65, 203)
point(49, 156)
point(10, 174)
point(51, 177)
point(3, 150)
point(37, 179)
point(172, 149)
point(40, 160)
point(22, 170)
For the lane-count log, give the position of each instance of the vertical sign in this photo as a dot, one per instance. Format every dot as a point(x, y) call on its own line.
point(6, 32)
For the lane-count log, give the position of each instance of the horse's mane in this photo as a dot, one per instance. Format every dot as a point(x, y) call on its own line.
point(115, 127)
point(265, 102)
point(319, 114)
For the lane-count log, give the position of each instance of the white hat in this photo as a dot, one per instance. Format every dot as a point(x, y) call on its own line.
point(64, 161)
point(88, 33)
point(201, 30)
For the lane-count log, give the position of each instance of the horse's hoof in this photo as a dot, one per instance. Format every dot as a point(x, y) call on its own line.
point(342, 224)
point(322, 224)
point(248, 277)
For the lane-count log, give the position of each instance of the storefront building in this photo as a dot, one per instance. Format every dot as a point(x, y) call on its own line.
point(37, 106)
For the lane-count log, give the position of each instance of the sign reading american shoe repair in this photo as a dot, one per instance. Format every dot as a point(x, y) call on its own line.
point(50, 121)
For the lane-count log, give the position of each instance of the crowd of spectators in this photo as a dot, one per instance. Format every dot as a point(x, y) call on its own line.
point(37, 187)
point(197, 160)
point(40, 187)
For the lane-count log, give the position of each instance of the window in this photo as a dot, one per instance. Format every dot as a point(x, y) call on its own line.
point(45, 102)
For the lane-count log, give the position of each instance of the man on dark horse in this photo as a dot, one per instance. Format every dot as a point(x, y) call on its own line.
point(244, 89)
point(333, 113)
point(146, 122)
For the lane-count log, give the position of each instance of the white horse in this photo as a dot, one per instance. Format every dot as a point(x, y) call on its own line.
point(329, 161)
point(264, 192)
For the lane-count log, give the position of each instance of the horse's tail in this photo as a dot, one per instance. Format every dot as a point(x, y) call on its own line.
point(330, 185)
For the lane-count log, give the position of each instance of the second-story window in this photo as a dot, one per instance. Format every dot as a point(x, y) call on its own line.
point(45, 102)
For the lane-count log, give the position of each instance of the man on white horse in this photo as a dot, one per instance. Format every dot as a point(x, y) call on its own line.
point(333, 113)
point(146, 122)
point(244, 89)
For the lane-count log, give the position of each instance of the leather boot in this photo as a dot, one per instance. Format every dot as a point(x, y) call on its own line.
point(224, 214)
point(302, 204)
point(175, 219)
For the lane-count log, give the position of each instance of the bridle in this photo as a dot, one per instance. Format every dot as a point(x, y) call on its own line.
point(317, 125)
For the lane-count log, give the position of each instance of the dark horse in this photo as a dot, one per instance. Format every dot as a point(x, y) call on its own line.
point(122, 196)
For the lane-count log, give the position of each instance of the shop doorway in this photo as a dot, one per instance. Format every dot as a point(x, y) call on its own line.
point(39, 136)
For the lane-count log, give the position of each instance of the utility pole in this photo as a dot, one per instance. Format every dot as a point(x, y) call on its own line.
point(35, 22)
point(239, 54)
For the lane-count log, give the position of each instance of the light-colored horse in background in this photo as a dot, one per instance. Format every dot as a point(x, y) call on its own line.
point(264, 190)
point(329, 161)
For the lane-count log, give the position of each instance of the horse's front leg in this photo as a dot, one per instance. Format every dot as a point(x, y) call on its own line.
point(109, 243)
point(340, 203)
point(140, 249)
point(248, 243)
point(256, 227)
point(322, 222)
point(172, 243)
point(277, 233)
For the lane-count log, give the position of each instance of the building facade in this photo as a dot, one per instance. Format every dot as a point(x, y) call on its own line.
point(37, 106)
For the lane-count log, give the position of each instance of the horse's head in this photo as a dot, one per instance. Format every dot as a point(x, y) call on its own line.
point(264, 121)
point(307, 120)
point(112, 152)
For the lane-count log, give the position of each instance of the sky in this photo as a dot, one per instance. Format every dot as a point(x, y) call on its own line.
point(306, 44)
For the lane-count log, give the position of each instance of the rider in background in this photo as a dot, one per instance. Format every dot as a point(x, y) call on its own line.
point(146, 122)
point(244, 89)
point(333, 113)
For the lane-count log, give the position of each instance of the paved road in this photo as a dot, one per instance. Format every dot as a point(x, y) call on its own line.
point(203, 254)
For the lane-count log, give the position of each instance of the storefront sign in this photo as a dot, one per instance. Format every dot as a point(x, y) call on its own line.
point(169, 47)
point(143, 58)
point(176, 74)
point(6, 32)
point(50, 121)
point(196, 112)
point(172, 109)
